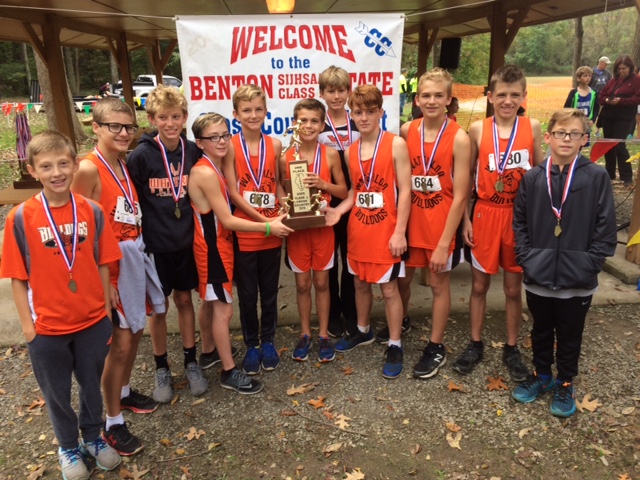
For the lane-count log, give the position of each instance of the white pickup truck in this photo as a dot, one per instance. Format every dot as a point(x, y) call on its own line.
point(143, 85)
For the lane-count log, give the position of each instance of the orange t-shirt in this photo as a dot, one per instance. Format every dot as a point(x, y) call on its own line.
point(254, 241)
point(212, 243)
point(521, 160)
point(110, 195)
point(429, 209)
point(370, 225)
point(31, 253)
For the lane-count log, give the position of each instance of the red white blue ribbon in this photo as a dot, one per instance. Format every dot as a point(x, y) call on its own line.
point(176, 190)
point(567, 186)
point(128, 192)
point(262, 158)
point(427, 166)
point(367, 180)
point(501, 163)
point(342, 146)
point(69, 259)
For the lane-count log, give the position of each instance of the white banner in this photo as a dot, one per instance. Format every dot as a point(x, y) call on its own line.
point(284, 54)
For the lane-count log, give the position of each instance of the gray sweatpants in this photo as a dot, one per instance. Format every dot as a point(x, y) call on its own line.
point(54, 358)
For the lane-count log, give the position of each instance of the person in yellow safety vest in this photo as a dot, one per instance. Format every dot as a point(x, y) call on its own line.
point(403, 89)
point(413, 87)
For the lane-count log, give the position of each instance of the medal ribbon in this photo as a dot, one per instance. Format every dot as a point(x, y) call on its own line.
point(128, 192)
point(68, 260)
point(502, 163)
point(262, 158)
point(175, 191)
point(567, 186)
point(335, 132)
point(317, 162)
point(427, 166)
point(223, 180)
point(367, 183)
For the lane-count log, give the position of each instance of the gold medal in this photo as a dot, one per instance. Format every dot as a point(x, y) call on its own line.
point(73, 286)
point(499, 186)
point(558, 230)
point(177, 212)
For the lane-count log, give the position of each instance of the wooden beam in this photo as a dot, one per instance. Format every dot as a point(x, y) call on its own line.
point(122, 57)
point(518, 21)
point(112, 48)
point(59, 90)
point(35, 40)
point(170, 48)
point(425, 45)
point(156, 61)
point(498, 47)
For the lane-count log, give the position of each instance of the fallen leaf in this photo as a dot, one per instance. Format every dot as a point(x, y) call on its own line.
point(175, 399)
point(356, 474)
point(199, 401)
point(342, 421)
point(526, 343)
point(328, 414)
point(287, 412)
point(624, 476)
point(496, 383)
point(525, 317)
point(331, 448)
point(611, 301)
point(211, 446)
point(587, 403)
point(138, 474)
point(36, 404)
point(417, 449)
point(405, 421)
point(347, 370)
point(166, 442)
point(36, 474)
point(453, 427)
point(180, 451)
point(304, 388)
point(3, 391)
point(319, 403)
point(628, 410)
point(193, 433)
point(454, 440)
point(497, 344)
point(282, 350)
point(524, 431)
point(453, 387)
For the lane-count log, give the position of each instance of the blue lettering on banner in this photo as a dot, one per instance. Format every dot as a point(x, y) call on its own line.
point(374, 38)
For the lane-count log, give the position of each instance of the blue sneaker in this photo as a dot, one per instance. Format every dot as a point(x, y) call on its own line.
point(269, 356)
point(532, 388)
point(393, 366)
point(564, 401)
point(301, 352)
point(251, 362)
point(106, 456)
point(346, 344)
point(72, 464)
point(326, 352)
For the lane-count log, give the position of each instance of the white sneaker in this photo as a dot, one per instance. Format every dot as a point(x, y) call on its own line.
point(106, 456)
point(72, 464)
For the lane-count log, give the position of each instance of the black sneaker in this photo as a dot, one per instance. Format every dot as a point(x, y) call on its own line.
point(209, 360)
point(138, 403)
point(240, 382)
point(336, 329)
point(468, 359)
point(432, 359)
point(512, 358)
point(122, 440)
point(382, 335)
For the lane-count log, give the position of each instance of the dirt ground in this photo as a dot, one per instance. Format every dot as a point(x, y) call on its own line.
point(394, 429)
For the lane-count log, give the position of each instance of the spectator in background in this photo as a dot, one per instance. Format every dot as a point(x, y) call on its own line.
point(413, 87)
point(105, 90)
point(403, 89)
point(453, 108)
point(584, 98)
point(601, 75)
point(619, 100)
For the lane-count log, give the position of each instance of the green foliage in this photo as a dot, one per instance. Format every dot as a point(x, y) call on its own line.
point(544, 49)
point(474, 60)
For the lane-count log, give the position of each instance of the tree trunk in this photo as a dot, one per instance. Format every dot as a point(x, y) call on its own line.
point(635, 54)
point(71, 69)
point(114, 69)
point(45, 90)
point(577, 48)
point(25, 59)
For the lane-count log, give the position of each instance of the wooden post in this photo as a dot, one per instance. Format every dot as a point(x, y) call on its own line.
point(425, 44)
point(498, 21)
point(122, 57)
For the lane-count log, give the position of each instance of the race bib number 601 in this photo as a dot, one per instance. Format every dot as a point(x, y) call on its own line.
point(369, 200)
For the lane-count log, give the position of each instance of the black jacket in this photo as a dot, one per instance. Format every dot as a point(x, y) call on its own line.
point(573, 260)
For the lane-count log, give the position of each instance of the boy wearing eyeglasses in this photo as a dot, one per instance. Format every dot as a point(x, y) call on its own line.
point(503, 148)
point(564, 223)
point(160, 166)
point(103, 176)
point(213, 242)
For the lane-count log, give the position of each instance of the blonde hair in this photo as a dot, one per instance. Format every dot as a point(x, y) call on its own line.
point(204, 121)
point(50, 141)
point(582, 70)
point(438, 75)
point(565, 115)
point(163, 97)
point(110, 105)
point(367, 96)
point(246, 93)
point(334, 77)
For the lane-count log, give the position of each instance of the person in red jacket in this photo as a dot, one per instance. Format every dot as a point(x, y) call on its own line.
point(619, 100)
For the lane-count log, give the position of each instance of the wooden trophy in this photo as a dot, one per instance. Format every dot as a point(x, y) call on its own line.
point(302, 204)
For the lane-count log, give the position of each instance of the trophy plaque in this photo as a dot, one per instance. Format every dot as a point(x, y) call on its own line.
point(302, 204)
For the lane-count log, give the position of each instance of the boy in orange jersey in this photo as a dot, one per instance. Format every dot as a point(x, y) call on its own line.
point(213, 242)
point(103, 177)
point(439, 151)
point(57, 246)
point(251, 168)
point(339, 132)
point(159, 167)
point(503, 148)
point(313, 249)
point(379, 201)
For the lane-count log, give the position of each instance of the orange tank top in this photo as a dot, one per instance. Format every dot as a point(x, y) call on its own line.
point(253, 241)
point(432, 191)
point(520, 160)
point(374, 215)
